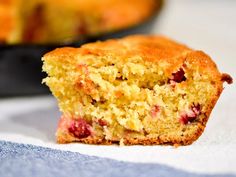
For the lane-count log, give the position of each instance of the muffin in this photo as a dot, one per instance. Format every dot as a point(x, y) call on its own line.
point(57, 21)
point(135, 90)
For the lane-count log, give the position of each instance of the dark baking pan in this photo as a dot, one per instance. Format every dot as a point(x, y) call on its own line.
point(21, 65)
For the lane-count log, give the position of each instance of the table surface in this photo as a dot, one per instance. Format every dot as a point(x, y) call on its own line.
point(204, 25)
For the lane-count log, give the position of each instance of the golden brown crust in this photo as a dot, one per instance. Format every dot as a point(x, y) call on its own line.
point(151, 48)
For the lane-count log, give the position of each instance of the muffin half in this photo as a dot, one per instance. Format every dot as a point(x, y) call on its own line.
point(134, 90)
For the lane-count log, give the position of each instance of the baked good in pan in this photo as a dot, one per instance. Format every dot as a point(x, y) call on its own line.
point(135, 90)
point(57, 21)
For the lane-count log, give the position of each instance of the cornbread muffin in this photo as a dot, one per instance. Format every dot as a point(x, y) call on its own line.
point(134, 90)
point(53, 21)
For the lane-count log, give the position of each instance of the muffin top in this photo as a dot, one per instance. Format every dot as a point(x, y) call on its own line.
point(153, 48)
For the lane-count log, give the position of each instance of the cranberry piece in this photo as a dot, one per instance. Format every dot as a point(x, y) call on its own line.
point(178, 76)
point(187, 118)
point(80, 128)
point(196, 109)
point(155, 110)
point(184, 118)
point(102, 122)
point(191, 115)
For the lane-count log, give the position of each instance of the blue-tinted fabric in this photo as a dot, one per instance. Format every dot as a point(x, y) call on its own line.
point(20, 160)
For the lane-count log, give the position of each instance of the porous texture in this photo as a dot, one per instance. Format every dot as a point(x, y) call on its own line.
point(53, 21)
point(135, 90)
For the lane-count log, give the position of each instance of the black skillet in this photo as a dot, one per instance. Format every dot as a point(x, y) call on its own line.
point(20, 65)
